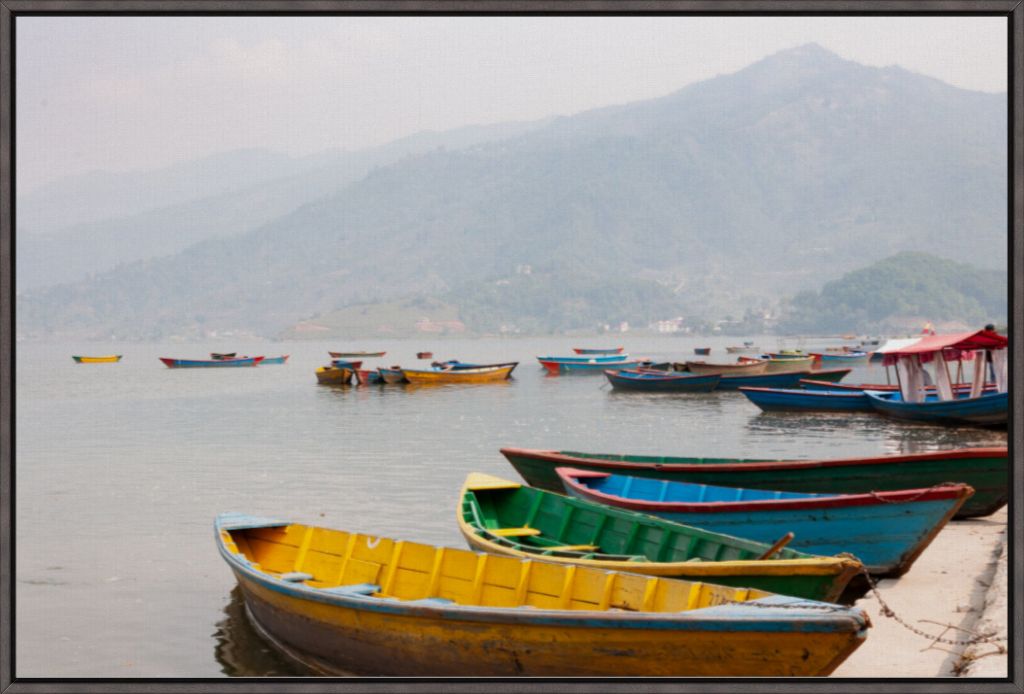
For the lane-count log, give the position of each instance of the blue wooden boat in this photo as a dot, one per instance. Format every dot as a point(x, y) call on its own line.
point(779, 380)
point(703, 351)
point(886, 531)
point(661, 381)
point(584, 350)
point(841, 357)
point(274, 360)
point(202, 363)
point(988, 409)
point(593, 364)
point(799, 399)
point(392, 374)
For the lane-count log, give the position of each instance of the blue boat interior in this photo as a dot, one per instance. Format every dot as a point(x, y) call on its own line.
point(648, 489)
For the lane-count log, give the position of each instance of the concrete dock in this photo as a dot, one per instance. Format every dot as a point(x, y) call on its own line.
point(955, 589)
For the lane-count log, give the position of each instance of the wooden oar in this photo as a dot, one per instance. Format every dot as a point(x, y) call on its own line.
point(779, 544)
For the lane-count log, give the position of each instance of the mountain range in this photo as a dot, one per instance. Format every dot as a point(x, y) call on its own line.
point(743, 188)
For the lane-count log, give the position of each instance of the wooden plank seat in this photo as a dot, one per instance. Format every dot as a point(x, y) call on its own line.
point(514, 532)
point(571, 548)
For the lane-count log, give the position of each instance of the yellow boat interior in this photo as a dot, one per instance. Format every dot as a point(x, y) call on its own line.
point(386, 568)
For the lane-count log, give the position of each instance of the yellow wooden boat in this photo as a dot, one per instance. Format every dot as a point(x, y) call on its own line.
point(752, 367)
point(785, 364)
point(334, 375)
point(107, 359)
point(346, 603)
point(485, 374)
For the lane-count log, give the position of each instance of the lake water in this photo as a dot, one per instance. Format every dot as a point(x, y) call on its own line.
point(121, 468)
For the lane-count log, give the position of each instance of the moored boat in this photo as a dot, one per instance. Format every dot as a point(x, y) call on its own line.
point(987, 410)
point(651, 380)
point(751, 367)
point(584, 364)
point(702, 351)
point(482, 375)
point(201, 363)
point(886, 531)
point(274, 360)
point(799, 399)
point(747, 348)
point(786, 363)
point(841, 357)
point(366, 377)
point(947, 405)
point(779, 380)
point(105, 359)
point(984, 469)
point(344, 603)
point(334, 375)
point(503, 517)
point(392, 375)
point(424, 355)
point(356, 355)
point(587, 350)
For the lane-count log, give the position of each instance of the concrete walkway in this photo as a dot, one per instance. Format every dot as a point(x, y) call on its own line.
point(946, 590)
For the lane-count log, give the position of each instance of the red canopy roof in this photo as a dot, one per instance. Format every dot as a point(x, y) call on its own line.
point(980, 339)
point(950, 345)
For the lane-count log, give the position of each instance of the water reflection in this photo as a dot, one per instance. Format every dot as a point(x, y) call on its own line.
point(240, 650)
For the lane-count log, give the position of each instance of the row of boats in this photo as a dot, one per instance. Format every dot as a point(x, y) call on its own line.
point(614, 565)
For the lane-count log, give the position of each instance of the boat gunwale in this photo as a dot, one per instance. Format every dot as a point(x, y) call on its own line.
point(742, 465)
point(903, 496)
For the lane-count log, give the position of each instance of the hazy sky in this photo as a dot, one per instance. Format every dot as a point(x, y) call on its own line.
point(122, 93)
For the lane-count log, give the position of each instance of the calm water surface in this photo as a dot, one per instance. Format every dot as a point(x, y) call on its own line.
point(121, 469)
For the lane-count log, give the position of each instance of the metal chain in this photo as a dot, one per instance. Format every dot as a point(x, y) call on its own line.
point(885, 611)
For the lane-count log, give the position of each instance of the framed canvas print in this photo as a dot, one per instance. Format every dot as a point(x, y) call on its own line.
point(520, 345)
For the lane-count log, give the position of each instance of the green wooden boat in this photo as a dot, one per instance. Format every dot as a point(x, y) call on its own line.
point(985, 469)
point(502, 517)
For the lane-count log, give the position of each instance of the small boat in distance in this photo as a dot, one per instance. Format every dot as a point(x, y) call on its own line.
point(487, 374)
point(106, 359)
point(424, 355)
point(751, 367)
point(356, 355)
point(747, 348)
point(586, 350)
point(594, 364)
point(346, 603)
point(702, 351)
point(334, 375)
point(655, 381)
point(392, 374)
point(274, 360)
point(209, 363)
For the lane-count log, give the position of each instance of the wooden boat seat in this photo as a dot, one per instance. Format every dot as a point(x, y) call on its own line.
point(354, 589)
point(571, 548)
point(296, 577)
point(514, 532)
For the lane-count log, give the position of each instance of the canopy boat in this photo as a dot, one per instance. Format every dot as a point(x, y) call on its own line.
point(342, 603)
point(334, 375)
point(106, 359)
point(799, 399)
point(750, 367)
point(593, 364)
point(274, 360)
point(987, 410)
point(223, 355)
point(584, 350)
point(503, 517)
point(392, 375)
point(651, 380)
point(356, 355)
point(485, 374)
point(702, 351)
point(946, 405)
point(190, 363)
point(886, 531)
point(984, 469)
